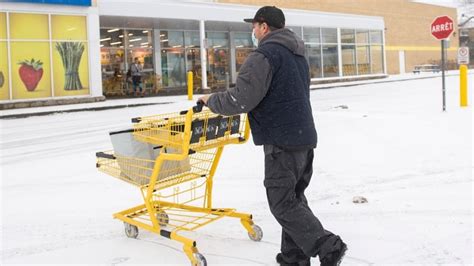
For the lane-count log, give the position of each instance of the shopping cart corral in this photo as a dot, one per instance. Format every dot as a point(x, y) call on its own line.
point(172, 158)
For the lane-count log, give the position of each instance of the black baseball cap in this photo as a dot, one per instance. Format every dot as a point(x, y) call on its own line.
point(271, 15)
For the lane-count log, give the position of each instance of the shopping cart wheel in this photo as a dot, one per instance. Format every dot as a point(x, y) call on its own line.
point(162, 218)
point(258, 233)
point(131, 230)
point(201, 260)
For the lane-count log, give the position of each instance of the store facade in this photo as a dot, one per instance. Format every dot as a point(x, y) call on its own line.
point(169, 38)
point(180, 36)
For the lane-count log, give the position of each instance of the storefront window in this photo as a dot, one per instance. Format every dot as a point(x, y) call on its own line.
point(193, 55)
point(347, 36)
point(376, 56)
point(71, 68)
point(243, 47)
point(218, 39)
point(112, 59)
point(330, 61)
point(172, 67)
point(139, 38)
point(348, 52)
point(4, 75)
point(362, 36)
point(329, 35)
point(3, 26)
point(313, 54)
point(218, 58)
point(21, 26)
point(70, 55)
point(31, 76)
point(348, 60)
point(30, 52)
point(112, 38)
point(243, 40)
point(139, 45)
point(114, 80)
point(52, 51)
point(173, 58)
point(295, 29)
point(311, 35)
point(191, 39)
point(363, 60)
point(68, 27)
point(330, 54)
point(145, 57)
point(119, 48)
point(376, 52)
point(172, 39)
point(376, 37)
point(193, 63)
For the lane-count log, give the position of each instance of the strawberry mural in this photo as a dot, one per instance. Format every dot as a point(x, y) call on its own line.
point(31, 73)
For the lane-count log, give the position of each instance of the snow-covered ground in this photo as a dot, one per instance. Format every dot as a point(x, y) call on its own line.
point(392, 145)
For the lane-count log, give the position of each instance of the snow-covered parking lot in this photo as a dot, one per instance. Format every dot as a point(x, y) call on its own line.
point(390, 143)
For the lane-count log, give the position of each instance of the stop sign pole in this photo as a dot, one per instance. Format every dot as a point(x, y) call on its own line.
point(443, 45)
point(441, 29)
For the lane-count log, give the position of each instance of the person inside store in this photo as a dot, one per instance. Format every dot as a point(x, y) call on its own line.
point(136, 71)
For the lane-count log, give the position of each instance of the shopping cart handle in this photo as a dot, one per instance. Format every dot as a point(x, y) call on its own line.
point(198, 107)
point(105, 155)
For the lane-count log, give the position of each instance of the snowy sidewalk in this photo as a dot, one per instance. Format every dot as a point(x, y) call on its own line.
point(390, 143)
point(135, 102)
point(391, 78)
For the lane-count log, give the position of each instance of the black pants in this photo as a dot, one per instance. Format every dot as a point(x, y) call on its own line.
point(137, 82)
point(287, 175)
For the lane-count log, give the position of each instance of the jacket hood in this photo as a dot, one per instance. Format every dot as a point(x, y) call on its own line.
point(287, 38)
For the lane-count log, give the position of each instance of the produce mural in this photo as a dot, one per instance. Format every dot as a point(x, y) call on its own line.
point(71, 53)
point(45, 60)
point(31, 73)
point(30, 70)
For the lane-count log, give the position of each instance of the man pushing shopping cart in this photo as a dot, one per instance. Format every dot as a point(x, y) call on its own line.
point(273, 88)
point(172, 157)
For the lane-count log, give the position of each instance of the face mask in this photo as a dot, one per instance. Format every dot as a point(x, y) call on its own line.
point(254, 39)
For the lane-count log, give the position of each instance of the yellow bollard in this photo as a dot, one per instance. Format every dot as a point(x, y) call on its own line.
point(463, 84)
point(190, 85)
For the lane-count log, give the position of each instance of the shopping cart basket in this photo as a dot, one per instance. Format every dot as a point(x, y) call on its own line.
point(177, 185)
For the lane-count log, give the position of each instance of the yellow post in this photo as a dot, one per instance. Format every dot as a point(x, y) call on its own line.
point(190, 85)
point(463, 83)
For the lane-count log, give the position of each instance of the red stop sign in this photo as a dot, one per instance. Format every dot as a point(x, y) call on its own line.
point(442, 27)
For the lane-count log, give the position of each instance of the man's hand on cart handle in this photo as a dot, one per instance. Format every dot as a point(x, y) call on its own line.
point(199, 104)
point(204, 99)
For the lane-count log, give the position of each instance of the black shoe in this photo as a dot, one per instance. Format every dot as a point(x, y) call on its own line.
point(280, 260)
point(334, 258)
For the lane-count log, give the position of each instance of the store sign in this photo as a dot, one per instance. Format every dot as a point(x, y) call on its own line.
point(54, 2)
point(463, 56)
point(442, 27)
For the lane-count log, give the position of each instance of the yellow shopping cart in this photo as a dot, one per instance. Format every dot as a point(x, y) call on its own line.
point(177, 185)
